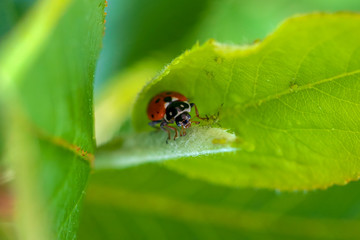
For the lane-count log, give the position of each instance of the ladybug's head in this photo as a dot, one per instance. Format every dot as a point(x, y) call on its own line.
point(183, 120)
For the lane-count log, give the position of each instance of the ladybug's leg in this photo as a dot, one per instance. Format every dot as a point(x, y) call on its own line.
point(164, 126)
point(197, 112)
point(181, 131)
point(173, 128)
point(184, 131)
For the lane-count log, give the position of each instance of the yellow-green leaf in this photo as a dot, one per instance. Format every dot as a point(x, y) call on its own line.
point(292, 101)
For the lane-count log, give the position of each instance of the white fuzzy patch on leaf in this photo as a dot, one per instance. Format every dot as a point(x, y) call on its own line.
point(152, 147)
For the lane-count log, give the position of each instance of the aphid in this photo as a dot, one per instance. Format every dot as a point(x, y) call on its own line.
point(169, 107)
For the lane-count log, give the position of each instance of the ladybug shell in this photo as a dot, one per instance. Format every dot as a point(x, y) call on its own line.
point(157, 106)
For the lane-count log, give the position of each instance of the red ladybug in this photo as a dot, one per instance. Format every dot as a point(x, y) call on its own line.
point(169, 107)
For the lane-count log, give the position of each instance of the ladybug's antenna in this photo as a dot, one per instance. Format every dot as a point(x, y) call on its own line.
point(197, 112)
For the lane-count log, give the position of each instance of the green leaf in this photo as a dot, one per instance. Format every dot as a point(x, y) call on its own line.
point(47, 68)
point(152, 202)
point(291, 101)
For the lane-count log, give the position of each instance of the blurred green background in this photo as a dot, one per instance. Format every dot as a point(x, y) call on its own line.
point(152, 202)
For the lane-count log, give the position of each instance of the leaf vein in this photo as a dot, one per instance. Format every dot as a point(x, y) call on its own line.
point(300, 88)
point(337, 98)
point(71, 212)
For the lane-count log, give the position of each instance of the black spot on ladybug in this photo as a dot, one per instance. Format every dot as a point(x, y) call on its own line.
point(152, 115)
point(157, 100)
point(167, 99)
point(157, 112)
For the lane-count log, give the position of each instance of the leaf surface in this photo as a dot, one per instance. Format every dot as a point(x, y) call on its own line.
point(291, 100)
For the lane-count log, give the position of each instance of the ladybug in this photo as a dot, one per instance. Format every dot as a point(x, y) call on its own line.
point(169, 107)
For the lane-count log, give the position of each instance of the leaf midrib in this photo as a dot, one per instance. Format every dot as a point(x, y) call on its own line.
point(288, 91)
point(64, 144)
